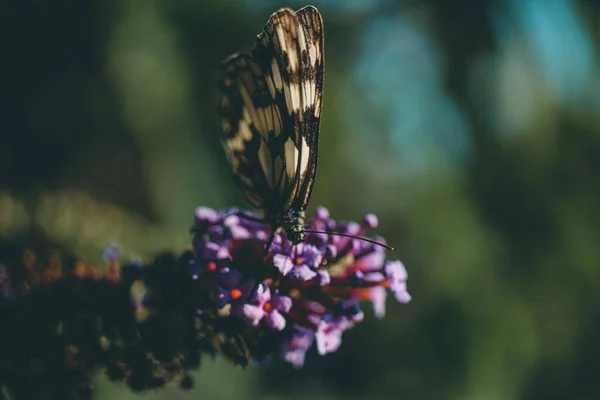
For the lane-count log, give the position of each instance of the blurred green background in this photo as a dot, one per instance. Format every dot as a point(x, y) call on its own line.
point(471, 128)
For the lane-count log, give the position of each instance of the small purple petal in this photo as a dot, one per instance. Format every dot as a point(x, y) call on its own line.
point(281, 245)
point(324, 277)
point(231, 220)
point(294, 349)
point(112, 252)
point(223, 254)
point(262, 235)
point(206, 214)
point(281, 303)
point(314, 319)
point(263, 294)
point(402, 297)
point(209, 251)
point(247, 288)
point(230, 278)
point(253, 314)
point(356, 246)
point(315, 307)
point(277, 240)
point(331, 251)
point(374, 277)
point(397, 274)
point(321, 213)
point(379, 239)
point(379, 295)
point(321, 237)
point(239, 232)
point(303, 273)
point(400, 292)
point(370, 221)
point(215, 234)
point(311, 255)
point(373, 260)
point(350, 228)
point(350, 314)
point(275, 320)
point(328, 337)
point(283, 263)
point(358, 317)
point(296, 357)
point(396, 271)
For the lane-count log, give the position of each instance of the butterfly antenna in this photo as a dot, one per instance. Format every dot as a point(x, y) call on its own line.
point(364, 239)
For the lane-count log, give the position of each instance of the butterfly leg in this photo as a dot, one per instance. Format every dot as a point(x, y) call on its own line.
point(268, 246)
point(295, 252)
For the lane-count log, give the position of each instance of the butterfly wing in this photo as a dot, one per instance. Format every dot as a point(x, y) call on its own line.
point(270, 111)
point(252, 130)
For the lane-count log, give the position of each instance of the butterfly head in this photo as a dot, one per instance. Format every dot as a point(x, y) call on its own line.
point(293, 225)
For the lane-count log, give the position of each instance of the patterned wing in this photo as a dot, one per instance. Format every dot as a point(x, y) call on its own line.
point(271, 108)
point(252, 127)
point(311, 84)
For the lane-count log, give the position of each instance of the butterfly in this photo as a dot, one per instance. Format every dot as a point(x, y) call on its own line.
point(270, 110)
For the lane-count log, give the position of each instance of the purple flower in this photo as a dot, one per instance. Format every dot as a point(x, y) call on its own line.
point(267, 307)
point(283, 263)
point(294, 348)
point(379, 296)
point(324, 277)
point(206, 214)
point(397, 275)
point(292, 295)
point(233, 288)
point(226, 224)
point(213, 251)
point(301, 263)
point(329, 334)
point(210, 257)
point(112, 253)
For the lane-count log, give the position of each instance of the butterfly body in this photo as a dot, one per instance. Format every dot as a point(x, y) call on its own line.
point(292, 223)
point(270, 116)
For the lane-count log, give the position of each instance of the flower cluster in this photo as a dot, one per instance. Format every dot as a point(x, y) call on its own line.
point(291, 296)
point(63, 319)
point(148, 323)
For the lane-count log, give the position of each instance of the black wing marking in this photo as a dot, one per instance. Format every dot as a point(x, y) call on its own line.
point(312, 63)
point(252, 125)
point(271, 108)
point(277, 52)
